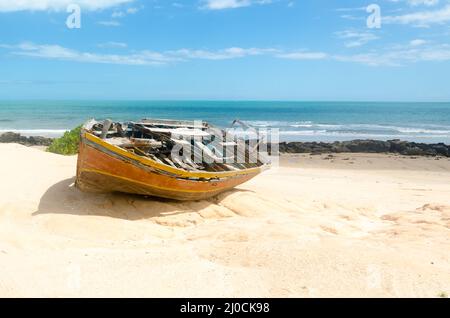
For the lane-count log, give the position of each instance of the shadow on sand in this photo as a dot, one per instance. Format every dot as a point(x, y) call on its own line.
point(64, 198)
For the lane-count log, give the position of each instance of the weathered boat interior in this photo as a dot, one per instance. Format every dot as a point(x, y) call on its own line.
point(211, 150)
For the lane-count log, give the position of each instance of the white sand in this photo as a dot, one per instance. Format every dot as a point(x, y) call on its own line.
point(371, 225)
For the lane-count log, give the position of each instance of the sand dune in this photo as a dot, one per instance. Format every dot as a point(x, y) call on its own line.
point(356, 225)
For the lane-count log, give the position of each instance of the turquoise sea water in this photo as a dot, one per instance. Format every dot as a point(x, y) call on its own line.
point(302, 121)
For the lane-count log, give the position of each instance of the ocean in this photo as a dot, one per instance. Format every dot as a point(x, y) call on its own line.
point(297, 121)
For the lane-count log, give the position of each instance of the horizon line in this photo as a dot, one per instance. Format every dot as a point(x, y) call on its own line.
point(217, 100)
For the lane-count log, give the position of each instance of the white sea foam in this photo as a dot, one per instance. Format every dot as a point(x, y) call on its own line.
point(277, 124)
point(340, 132)
point(372, 129)
point(322, 131)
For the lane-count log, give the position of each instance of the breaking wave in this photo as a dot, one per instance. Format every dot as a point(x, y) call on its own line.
point(327, 132)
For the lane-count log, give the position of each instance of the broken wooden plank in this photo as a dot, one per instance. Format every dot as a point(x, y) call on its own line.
point(106, 125)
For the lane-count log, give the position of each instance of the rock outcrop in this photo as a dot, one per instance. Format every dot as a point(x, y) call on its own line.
point(368, 146)
point(11, 137)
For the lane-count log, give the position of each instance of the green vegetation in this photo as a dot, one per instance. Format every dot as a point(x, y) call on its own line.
point(67, 144)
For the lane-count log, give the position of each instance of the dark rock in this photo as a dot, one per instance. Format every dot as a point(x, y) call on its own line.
point(398, 146)
point(371, 146)
point(368, 146)
point(11, 137)
point(414, 151)
point(442, 150)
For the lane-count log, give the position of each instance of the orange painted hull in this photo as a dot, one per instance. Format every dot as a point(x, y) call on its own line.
point(104, 170)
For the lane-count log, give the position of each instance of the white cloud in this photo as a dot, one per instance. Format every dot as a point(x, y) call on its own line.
point(109, 23)
point(351, 9)
point(117, 14)
point(417, 42)
point(371, 59)
point(225, 54)
point(57, 52)
point(421, 18)
point(355, 38)
point(57, 5)
point(399, 55)
point(230, 4)
point(146, 57)
point(423, 2)
point(132, 10)
point(112, 44)
point(303, 55)
point(121, 14)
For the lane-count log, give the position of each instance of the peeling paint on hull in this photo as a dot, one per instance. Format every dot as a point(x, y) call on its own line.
point(102, 169)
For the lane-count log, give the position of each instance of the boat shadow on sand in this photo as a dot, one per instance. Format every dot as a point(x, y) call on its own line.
point(64, 198)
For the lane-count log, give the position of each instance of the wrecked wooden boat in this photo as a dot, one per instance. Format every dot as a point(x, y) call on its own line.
point(179, 160)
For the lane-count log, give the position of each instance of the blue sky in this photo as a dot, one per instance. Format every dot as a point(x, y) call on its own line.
point(225, 49)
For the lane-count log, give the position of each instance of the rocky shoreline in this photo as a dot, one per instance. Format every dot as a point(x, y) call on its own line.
point(355, 146)
point(11, 137)
point(368, 146)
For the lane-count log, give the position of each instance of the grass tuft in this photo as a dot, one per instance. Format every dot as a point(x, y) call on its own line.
point(68, 144)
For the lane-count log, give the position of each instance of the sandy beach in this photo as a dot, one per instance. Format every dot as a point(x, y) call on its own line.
point(347, 225)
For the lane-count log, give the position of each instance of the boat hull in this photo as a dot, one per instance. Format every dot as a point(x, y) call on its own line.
point(101, 169)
